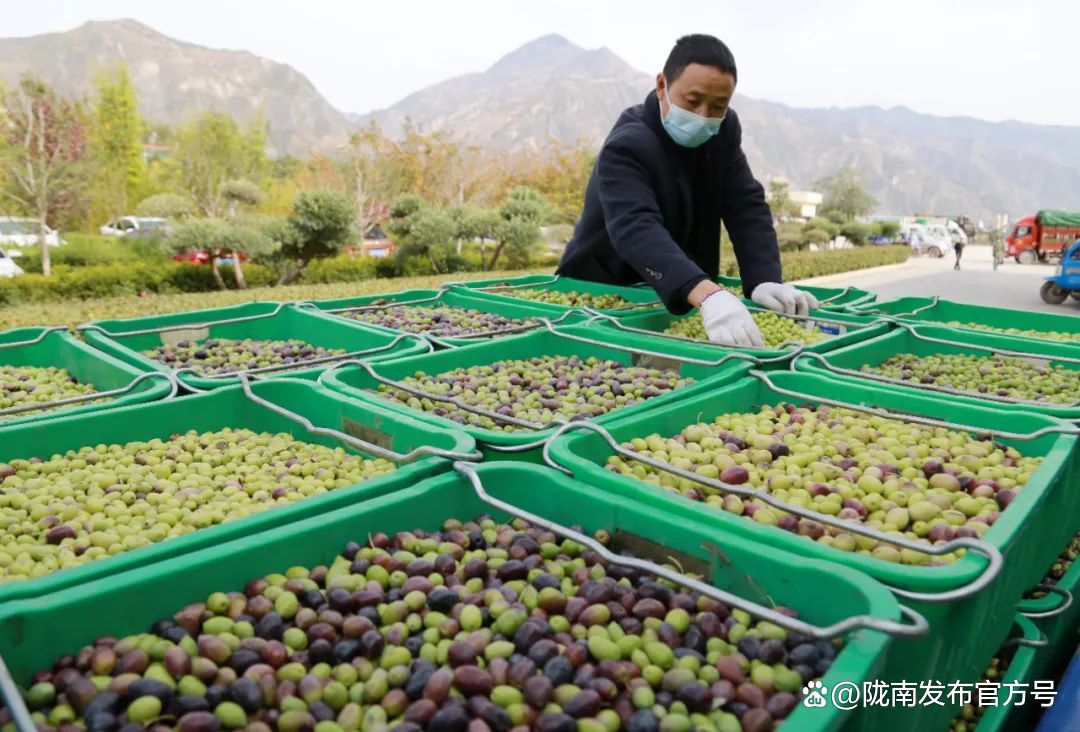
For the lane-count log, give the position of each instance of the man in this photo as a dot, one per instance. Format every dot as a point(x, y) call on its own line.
point(671, 170)
point(958, 247)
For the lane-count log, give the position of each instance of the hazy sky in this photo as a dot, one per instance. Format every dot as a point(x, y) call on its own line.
point(995, 59)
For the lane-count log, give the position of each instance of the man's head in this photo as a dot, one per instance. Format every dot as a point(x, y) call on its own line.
point(699, 76)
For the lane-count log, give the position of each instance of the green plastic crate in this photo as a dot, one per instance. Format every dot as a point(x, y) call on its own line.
point(519, 309)
point(964, 633)
point(263, 320)
point(357, 382)
point(90, 366)
point(33, 634)
point(1022, 670)
point(876, 350)
point(1057, 620)
point(843, 328)
point(230, 407)
point(937, 310)
point(830, 298)
point(496, 290)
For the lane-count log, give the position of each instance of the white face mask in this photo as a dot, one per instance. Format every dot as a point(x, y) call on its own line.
point(687, 128)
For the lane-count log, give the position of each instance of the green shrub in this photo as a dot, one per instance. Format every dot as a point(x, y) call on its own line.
point(803, 265)
point(121, 279)
point(89, 250)
point(340, 269)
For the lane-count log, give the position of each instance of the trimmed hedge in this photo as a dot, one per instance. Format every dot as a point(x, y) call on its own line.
point(804, 265)
point(89, 250)
point(116, 280)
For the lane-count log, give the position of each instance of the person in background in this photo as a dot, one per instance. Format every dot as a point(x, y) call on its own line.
point(670, 171)
point(999, 250)
point(915, 241)
point(958, 247)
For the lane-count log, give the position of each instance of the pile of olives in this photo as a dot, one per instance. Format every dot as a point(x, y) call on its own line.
point(775, 329)
point(67, 510)
point(538, 390)
point(21, 386)
point(968, 718)
point(922, 483)
point(443, 320)
point(480, 627)
point(1061, 565)
point(569, 298)
point(1050, 335)
point(1006, 376)
point(227, 356)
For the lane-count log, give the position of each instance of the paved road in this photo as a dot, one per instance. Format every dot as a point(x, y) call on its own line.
point(1012, 285)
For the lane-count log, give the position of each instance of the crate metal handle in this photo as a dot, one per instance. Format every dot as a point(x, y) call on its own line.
point(311, 305)
point(45, 330)
point(732, 356)
point(187, 326)
point(93, 396)
point(914, 418)
point(873, 309)
point(993, 556)
point(917, 628)
point(356, 442)
point(837, 296)
point(1041, 642)
point(1066, 602)
point(308, 363)
point(14, 701)
point(871, 376)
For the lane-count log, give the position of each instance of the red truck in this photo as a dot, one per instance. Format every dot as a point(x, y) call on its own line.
point(1042, 236)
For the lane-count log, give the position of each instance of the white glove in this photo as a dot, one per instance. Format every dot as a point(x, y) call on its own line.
point(728, 321)
point(784, 298)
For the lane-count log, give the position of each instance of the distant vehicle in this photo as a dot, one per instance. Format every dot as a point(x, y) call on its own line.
point(128, 225)
point(8, 268)
point(933, 239)
point(1041, 237)
point(957, 229)
point(23, 232)
point(1067, 281)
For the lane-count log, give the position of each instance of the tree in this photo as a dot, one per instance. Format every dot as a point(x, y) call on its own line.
point(238, 193)
point(560, 173)
point(845, 195)
point(430, 232)
point(522, 213)
point(789, 235)
point(890, 229)
point(199, 234)
point(856, 232)
point(116, 138)
point(166, 206)
point(475, 223)
point(816, 235)
point(323, 224)
point(780, 199)
point(211, 150)
point(42, 154)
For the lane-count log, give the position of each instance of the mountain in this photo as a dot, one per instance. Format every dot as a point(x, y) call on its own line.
point(547, 88)
point(551, 88)
point(176, 79)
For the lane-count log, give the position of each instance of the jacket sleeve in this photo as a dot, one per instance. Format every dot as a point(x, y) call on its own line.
point(635, 226)
point(748, 220)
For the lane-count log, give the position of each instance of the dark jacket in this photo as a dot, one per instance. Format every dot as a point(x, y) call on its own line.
point(653, 211)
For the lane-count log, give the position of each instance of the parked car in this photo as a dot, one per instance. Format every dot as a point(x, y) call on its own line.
point(129, 225)
point(202, 256)
point(23, 232)
point(8, 268)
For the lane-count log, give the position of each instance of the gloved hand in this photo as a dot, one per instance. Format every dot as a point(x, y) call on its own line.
point(727, 321)
point(784, 298)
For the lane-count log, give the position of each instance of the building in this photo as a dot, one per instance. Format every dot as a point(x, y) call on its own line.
point(807, 201)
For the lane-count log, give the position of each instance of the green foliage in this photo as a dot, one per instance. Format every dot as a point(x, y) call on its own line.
point(820, 222)
point(802, 265)
point(211, 150)
point(87, 250)
point(789, 235)
point(322, 223)
point(241, 192)
point(166, 206)
point(889, 229)
point(518, 234)
point(779, 199)
point(119, 279)
point(815, 235)
point(845, 196)
point(856, 232)
point(341, 269)
point(116, 138)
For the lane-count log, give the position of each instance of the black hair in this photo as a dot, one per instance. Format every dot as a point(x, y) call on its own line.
point(699, 48)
